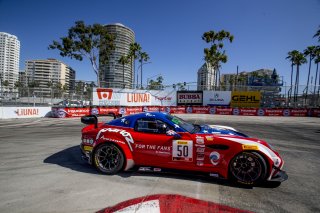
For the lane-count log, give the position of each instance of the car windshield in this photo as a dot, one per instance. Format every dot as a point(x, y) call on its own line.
point(183, 124)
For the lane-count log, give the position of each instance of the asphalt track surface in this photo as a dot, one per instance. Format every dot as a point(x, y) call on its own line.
point(41, 169)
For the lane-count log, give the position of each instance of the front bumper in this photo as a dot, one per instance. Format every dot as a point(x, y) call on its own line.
point(280, 176)
point(86, 154)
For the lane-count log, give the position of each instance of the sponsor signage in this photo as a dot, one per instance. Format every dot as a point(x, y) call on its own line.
point(216, 98)
point(189, 98)
point(130, 97)
point(245, 99)
point(24, 112)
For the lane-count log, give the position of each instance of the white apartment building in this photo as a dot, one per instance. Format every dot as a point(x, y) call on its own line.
point(9, 61)
point(47, 74)
point(206, 77)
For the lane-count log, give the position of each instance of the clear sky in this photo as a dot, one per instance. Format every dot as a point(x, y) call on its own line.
point(170, 31)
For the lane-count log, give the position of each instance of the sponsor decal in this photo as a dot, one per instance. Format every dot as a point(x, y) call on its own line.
point(212, 110)
point(153, 147)
point(245, 99)
point(138, 97)
point(144, 169)
point(182, 150)
point(145, 109)
point(87, 148)
point(199, 163)
point(236, 111)
point(94, 111)
point(200, 156)
point(157, 169)
point(61, 113)
point(261, 112)
point(111, 140)
point(200, 150)
point(189, 109)
point(214, 158)
point(250, 147)
point(286, 112)
point(199, 140)
point(127, 136)
point(209, 138)
point(22, 112)
point(104, 93)
point(214, 175)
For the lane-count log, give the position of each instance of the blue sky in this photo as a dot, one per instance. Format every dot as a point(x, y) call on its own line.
point(170, 31)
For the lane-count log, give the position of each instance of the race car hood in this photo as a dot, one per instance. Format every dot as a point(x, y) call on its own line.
point(218, 129)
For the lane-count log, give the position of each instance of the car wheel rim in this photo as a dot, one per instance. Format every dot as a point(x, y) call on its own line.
point(246, 168)
point(108, 158)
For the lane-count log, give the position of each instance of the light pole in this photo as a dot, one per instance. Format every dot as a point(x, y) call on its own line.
point(140, 66)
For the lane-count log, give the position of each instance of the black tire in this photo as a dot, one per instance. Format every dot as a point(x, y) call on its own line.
point(248, 168)
point(108, 158)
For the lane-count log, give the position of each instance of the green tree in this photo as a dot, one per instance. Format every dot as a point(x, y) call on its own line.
point(87, 41)
point(134, 49)
point(143, 57)
point(215, 55)
point(156, 85)
point(123, 61)
point(310, 51)
point(18, 85)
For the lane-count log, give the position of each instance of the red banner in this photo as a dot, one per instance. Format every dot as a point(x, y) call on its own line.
point(66, 112)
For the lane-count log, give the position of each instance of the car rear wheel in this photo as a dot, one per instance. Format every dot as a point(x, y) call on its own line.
point(108, 158)
point(248, 168)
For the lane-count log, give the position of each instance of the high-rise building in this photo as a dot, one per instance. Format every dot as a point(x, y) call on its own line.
point(114, 74)
point(46, 75)
point(206, 77)
point(9, 61)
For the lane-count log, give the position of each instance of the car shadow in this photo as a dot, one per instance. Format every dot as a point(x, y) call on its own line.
point(71, 158)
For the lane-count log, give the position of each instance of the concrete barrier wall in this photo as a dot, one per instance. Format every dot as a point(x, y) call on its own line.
point(24, 112)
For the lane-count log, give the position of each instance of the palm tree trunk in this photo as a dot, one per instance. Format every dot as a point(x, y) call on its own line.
point(315, 84)
point(308, 81)
point(295, 98)
point(141, 76)
point(291, 83)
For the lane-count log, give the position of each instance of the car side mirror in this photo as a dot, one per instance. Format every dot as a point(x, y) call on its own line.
point(174, 134)
point(90, 119)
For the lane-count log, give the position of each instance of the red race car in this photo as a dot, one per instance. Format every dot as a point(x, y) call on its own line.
point(155, 141)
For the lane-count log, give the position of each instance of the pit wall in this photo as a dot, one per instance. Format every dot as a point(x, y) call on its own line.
point(66, 112)
point(24, 112)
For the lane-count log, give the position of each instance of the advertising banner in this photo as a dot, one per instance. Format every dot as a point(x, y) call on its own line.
point(189, 98)
point(130, 97)
point(245, 99)
point(221, 111)
point(216, 98)
point(198, 110)
point(24, 112)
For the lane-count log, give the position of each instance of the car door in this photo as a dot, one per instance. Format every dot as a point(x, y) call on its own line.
point(152, 146)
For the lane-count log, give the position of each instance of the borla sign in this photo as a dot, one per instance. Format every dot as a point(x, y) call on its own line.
point(189, 97)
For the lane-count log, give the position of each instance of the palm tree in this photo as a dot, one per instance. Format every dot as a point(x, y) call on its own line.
point(134, 49)
point(214, 55)
point(291, 56)
point(310, 51)
point(123, 60)
point(143, 56)
point(299, 59)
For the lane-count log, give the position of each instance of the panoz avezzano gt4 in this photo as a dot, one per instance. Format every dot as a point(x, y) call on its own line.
point(155, 141)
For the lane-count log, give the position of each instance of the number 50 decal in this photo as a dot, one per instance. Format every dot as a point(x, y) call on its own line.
point(182, 150)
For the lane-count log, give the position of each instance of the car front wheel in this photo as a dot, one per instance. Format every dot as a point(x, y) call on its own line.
point(248, 168)
point(108, 158)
